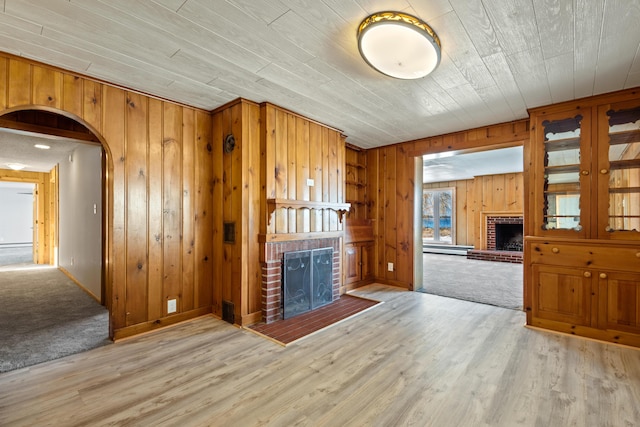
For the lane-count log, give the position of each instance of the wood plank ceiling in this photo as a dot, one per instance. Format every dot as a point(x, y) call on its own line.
point(500, 57)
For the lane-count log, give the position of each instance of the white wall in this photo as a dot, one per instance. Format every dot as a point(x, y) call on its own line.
point(16, 213)
point(80, 217)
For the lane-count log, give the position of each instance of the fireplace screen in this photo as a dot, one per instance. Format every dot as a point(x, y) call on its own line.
point(307, 281)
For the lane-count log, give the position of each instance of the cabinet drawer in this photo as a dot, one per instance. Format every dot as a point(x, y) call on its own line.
point(593, 256)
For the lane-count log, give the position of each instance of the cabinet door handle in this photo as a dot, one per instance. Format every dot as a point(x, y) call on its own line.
point(585, 172)
point(604, 171)
point(555, 250)
point(603, 275)
point(587, 274)
point(637, 254)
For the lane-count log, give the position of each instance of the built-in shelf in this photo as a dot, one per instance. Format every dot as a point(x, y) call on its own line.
point(273, 204)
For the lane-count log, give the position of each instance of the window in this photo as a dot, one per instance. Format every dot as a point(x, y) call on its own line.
point(437, 216)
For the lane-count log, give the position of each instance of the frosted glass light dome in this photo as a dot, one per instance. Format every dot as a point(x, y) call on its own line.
point(399, 45)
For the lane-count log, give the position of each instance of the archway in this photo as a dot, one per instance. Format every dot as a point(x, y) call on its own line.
point(55, 123)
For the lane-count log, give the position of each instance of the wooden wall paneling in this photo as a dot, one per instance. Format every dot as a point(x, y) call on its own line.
point(92, 104)
point(461, 213)
point(291, 170)
point(315, 173)
point(205, 212)
point(340, 172)
point(172, 204)
point(478, 228)
point(326, 188)
point(216, 208)
point(333, 178)
point(239, 271)
point(47, 87)
point(188, 209)
point(374, 208)
point(390, 212)
point(72, 94)
point(113, 131)
point(155, 210)
point(278, 149)
point(301, 141)
point(19, 92)
point(251, 138)
point(499, 201)
point(227, 209)
point(404, 217)
point(4, 82)
point(136, 209)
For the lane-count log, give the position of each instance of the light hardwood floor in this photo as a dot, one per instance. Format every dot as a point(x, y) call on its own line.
point(417, 359)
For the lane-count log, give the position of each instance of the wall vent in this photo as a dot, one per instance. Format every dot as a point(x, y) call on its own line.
point(227, 312)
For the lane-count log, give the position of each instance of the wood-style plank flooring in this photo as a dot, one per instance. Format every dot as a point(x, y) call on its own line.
point(418, 360)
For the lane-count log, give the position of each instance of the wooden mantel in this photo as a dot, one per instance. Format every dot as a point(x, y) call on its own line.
point(273, 204)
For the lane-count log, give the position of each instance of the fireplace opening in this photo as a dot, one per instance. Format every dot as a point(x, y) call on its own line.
point(307, 281)
point(509, 237)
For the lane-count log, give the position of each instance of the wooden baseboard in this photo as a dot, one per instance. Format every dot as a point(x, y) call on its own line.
point(74, 280)
point(251, 318)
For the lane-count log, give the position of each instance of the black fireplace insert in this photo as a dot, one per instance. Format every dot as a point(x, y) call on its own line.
point(307, 281)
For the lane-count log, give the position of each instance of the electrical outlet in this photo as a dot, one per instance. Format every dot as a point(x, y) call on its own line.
point(171, 306)
point(72, 260)
point(310, 182)
point(390, 266)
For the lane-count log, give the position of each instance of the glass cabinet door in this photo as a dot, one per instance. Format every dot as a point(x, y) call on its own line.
point(619, 171)
point(565, 173)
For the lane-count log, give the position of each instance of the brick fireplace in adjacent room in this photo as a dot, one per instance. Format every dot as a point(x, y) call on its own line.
point(272, 271)
point(506, 248)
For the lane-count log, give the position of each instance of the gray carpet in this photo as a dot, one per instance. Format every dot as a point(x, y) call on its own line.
point(45, 316)
point(487, 282)
point(22, 255)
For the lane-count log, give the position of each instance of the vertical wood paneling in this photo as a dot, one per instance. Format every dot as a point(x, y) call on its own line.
point(279, 156)
point(205, 214)
point(235, 281)
point(254, 194)
point(155, 215)
point(326, 217)
point(315, 165)
point(188, 208)
point(291, 170)
point(113, 132)
point(47, 87)
point(333, 178)
point(136, 208)
point(390, 212)
point(404, 217)
point(216, 209)
point(92, 104)
point(4, 82)
point(302, 173)
point(172, 203)
point(19, 83)
point(73, 94)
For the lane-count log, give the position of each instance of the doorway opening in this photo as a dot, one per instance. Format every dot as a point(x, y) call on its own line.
point(65, 163)
point(457, 189)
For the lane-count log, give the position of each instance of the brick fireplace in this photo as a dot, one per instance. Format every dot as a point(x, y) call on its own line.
point(494, 248)
point(272, 272)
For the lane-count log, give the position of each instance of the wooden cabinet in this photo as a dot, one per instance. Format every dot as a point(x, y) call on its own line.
point(585, 168)
point(582, 244)
point(359, 253)
point(358, 262)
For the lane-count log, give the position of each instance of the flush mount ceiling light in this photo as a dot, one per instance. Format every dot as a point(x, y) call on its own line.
point(399, 45)
point(16, 166)
point(42, 146)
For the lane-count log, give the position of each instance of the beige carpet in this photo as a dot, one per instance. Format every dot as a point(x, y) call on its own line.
point(486, 282)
